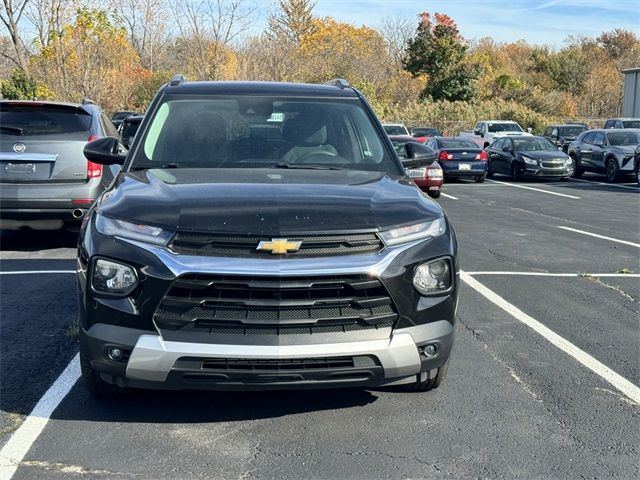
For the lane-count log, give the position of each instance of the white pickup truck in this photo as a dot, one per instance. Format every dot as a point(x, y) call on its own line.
point(486, 131)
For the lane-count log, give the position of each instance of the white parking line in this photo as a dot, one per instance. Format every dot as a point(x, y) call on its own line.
point(20, 442)
point(534, 189)
point(448, 196)
point(601, 236)
point(545, 274)
point(26, 272)
point(613, 378)
point(603, 183)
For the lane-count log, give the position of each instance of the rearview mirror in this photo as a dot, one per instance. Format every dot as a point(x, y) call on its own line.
point(418, 155)
point(104, 151)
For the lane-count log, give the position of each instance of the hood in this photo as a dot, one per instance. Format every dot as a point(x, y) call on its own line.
point(511, 134)
point(544, 155)
point(266, 201)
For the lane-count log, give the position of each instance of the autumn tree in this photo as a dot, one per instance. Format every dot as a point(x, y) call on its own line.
point(11, 14)
point(438, 50)
point(92, 58)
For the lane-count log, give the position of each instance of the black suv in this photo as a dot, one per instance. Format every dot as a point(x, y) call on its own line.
point(264, 236)
point(562, 135)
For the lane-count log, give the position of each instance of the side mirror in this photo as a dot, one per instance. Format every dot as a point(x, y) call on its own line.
point(104, 151)
point(507, 149)
point(417, 155)
point(477, 132)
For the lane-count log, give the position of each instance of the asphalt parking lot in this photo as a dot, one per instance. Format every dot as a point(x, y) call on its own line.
point(543, 381)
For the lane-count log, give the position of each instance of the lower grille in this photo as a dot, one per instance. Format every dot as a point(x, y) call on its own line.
point(253, 365)
point(553, 164)
point(275, 305)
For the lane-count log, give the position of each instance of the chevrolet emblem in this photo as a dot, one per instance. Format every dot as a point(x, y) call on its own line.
point(278, 246)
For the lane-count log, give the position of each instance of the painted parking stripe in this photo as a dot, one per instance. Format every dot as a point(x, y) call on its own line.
point(534, 189)
point(611, 239)
point(545, 274)
point(27, 272)
point(617, 381)
point(605, 184)
point(20, 442)
point(448, 196)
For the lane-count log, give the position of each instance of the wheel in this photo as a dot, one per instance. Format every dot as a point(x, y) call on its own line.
point(577, 170)
point(429, 383)
point(612, 170)
point(434, 194)
point(92, 380)
point(480, 179)
point(516, 173)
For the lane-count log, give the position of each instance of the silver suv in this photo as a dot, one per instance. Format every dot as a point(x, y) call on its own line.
point(46, 180)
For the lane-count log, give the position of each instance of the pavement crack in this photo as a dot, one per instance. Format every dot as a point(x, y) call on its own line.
point(501, 258)
point(69, 469)
point(616, 288)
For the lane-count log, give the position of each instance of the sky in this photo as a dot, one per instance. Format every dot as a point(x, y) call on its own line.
point(547, 22)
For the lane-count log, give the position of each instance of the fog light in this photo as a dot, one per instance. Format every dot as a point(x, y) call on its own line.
point(432, 277)
point(114, 278)
point(115, 354)
point(430, 350)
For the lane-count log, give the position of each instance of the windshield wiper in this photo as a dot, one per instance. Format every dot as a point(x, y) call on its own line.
point(306, 167)
point(147, 167)
point(13, 130)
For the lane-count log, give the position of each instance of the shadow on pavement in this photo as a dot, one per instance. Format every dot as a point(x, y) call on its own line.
point(36, 240)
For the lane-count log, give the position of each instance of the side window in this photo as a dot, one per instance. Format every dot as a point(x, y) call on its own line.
point(599, 139)
point(608, 124)
point(619, 124)
point(483, 128)
point(499, 144)
point(546, 132)
point(554, 133)
point(588, 138)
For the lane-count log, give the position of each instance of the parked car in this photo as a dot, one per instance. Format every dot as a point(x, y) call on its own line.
point(528, 156)
point(422, 134)
point(428, 177)
point(605, 151)
point(460, 157)
point(128, 129)
point(217, 262)
point(486, 131)
point(622, 123)
point(118, 117)
point(395, 129)
point(46, 182)
point(562, 135)
point(637, 163)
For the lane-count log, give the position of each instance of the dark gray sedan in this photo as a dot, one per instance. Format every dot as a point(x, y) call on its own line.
point(528, 156)
point(605, 151)
point(46, 181)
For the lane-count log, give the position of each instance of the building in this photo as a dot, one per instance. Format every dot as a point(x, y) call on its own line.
point(631, 93)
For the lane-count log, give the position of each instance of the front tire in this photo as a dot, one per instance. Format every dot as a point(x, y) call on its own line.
point(577, 170)
point(96, 385)
point(429, 383)
point(516, 172)
point(613, 171)
point(479, 179)
point(434, 194)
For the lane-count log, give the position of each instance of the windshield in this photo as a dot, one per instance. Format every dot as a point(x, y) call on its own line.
point(631, 123)
point(571, 131)
point(244, 131)
point(504, 127)
point(425, 132)
point(533, 144)
point(395, 130)
point(41, 119)
point(129, 129)
point(623, 138)
point(457, 143)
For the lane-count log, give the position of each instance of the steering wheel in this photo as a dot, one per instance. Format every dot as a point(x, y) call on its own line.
point(322, 157)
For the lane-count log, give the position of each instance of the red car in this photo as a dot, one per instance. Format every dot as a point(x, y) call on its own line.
point(422, 134)
point(429, 178)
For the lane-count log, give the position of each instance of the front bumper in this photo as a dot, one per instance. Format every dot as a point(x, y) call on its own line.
point(151, 362)
point(537, 171)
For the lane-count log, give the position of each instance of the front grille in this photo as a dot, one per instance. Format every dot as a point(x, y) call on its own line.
point(246, 305)
point(205, 244)
point(553, 164)
point(283, 365)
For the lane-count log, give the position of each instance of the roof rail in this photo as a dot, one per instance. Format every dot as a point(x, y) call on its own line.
point(177, 80)
point(341, 83)
point(88, 101)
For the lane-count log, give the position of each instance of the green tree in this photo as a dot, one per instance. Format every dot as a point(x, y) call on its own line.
point(293, 20)
point(21, 86)
point(438, 50)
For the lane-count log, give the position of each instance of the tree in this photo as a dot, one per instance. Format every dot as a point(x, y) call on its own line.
point(396, 31)
point(21, 86)
point(10, 15)
point(617, 43)
point(293, 20)
point(437, 50)
point(48, 18)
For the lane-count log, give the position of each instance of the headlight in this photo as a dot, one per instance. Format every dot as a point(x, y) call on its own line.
point(529, 161)
point(433, 277)
point(112, 277)
point(568, 162)
point(414, 232)
point(133, 231)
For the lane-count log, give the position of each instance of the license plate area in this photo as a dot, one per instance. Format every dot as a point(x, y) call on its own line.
point(464, 166)
point(20, 167)
point(25, 171)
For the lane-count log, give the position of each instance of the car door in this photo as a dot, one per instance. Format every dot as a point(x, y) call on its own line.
point(494, 155)
point(584, 150)
point(599, 146)
point(507, 156)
